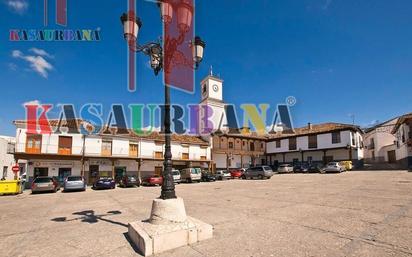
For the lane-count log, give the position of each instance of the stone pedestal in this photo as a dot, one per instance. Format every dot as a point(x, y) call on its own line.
point(168, 227)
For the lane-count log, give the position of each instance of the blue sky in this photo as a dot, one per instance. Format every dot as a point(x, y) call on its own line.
point(337, 57)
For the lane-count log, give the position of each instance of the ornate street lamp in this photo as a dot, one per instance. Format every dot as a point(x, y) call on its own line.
point(156, 53)
point(131, 26)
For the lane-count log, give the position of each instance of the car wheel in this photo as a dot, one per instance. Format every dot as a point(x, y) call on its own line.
point(260, 177)
point(243, 177)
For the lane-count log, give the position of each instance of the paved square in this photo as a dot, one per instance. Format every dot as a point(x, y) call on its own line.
point(349, 214)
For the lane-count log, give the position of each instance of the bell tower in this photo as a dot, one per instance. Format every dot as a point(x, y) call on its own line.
point(212, 88)
point(212, 95)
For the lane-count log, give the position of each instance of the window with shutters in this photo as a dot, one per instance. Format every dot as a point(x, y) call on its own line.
point(33, 143)
point(292, 143)
point(159, 155)
point(133, 150)
point(336, 137)
point(106, 148)
point(313, 142)
point(65, 145)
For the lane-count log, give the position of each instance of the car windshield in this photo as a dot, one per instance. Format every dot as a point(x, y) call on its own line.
point(77, 178)
point(196, 171)
point(267, 168)
point(333, 163)
point(43, 180)
point(175, 172)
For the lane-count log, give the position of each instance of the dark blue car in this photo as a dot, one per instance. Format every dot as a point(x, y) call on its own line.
point(104, 183)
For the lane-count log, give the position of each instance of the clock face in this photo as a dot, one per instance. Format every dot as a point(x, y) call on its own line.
point(215, 88)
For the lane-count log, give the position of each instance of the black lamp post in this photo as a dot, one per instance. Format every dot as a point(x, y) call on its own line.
point(131, 25)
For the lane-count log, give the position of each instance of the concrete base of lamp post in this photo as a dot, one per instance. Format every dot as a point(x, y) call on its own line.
point(168, 228)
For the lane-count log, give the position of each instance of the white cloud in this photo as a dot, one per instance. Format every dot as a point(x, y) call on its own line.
point(36, 62)
point(18, 6)
point(33, 102)
point(16, 53)
point(40, 52)
point(12, 66)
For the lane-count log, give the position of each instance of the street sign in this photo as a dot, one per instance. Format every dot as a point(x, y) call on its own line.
point(15, 169)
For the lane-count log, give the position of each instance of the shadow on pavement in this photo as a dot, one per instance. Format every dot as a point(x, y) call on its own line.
point(89, 216)
point(135, 249)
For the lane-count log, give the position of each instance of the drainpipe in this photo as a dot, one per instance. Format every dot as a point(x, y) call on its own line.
point(83, 154)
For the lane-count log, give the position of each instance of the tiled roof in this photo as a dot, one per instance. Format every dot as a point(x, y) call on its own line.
point(53, 123)
point(402, 120)
point(315, 129)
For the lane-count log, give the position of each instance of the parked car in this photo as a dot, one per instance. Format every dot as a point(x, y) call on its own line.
point(74, 183)
point(347, 165)
point(237, 173)
point(274, 167)
point(45, 184)
point(301, 168)
point(260, 172)
point(222, 175)
point(333, 167)
point(208, 177)
point(285, 168)
point(153, 181)
point(129, 181)
point(104, 183)
point(190, 175)
point(176, 176)
point(315, 168)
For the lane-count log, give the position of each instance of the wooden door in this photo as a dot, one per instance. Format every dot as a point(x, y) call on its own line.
point(392, 156)
point(158, 171)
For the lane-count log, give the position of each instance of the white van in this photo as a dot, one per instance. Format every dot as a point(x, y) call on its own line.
point(191, 174)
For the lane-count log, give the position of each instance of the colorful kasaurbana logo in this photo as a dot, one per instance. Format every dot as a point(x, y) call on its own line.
point(55, 35)
point(193, 119)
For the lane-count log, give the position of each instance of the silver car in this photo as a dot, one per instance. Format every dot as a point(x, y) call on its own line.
point(176, 176)
point(285, 168)
point(45, 184)
point(334, 167)
point(222, 175)
point(74, 183)
point(260, 172)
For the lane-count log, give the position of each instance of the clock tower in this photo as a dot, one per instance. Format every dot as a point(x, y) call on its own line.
point(212, 95)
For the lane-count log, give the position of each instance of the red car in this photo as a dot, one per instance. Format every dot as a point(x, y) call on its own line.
point(237, 173)
point(153, 181)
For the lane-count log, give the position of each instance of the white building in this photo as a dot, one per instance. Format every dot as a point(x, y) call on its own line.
point(6, 159)
point(403, 134)
point(380, 144)
point(100, 155)
point(320, 143)
point(212, 97)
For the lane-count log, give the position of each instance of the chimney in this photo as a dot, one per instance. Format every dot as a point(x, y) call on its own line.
point(310, 126)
